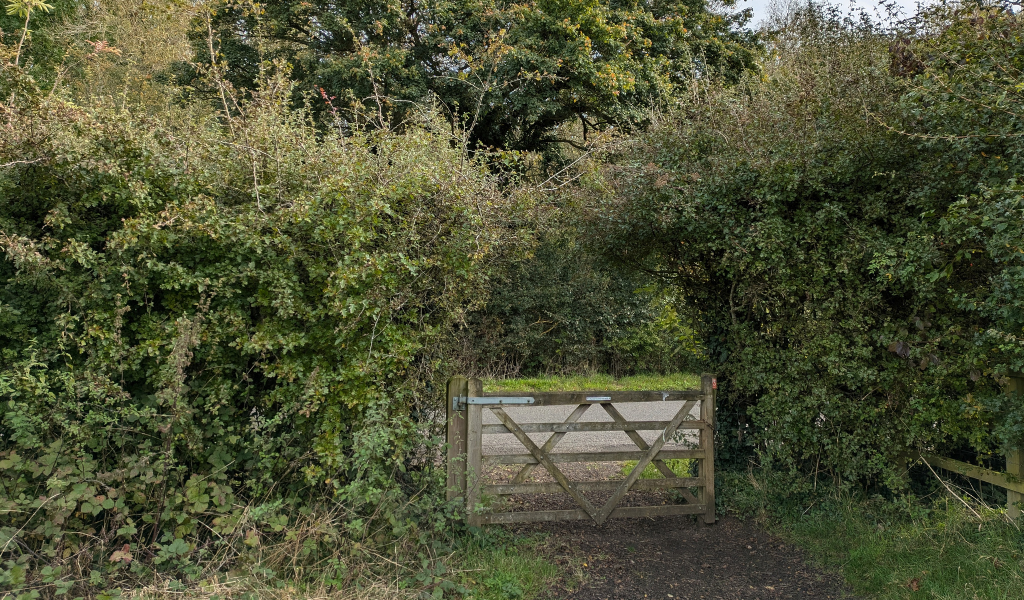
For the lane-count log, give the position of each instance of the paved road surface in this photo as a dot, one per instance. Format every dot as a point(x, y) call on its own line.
point(598, 441)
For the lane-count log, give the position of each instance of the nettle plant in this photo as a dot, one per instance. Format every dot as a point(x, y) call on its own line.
point(214, 325)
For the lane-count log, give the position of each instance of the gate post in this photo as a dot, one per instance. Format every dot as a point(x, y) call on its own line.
point(455, 420)
point(708, 388)
point(1014, 460)
point(474, 451)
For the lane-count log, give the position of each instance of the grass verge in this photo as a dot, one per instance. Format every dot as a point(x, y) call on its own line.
point(904, 548)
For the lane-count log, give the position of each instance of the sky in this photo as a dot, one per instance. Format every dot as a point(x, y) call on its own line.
point(761, 7)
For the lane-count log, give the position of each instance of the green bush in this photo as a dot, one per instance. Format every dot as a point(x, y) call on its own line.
point(850, 231)
point(210, 326)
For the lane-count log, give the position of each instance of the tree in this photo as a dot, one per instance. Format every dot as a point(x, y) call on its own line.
point(516, 74)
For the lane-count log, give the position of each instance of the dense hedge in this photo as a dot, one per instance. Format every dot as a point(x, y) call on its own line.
point(849, 226)
point(203, 318)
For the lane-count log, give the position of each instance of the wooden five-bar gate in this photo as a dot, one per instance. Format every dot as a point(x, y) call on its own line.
point(467, 402)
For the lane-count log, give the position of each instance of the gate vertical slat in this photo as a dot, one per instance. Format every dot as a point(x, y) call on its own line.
point(708, 385)
point(474, 452)
point(456, 437)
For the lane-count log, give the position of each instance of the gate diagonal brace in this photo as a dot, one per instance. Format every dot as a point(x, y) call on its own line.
point(551, 443)
point(642, 445)
point(542, 458)
point(609, 506)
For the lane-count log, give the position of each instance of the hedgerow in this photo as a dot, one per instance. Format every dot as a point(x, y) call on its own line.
point(847, 226)
point(215, 325)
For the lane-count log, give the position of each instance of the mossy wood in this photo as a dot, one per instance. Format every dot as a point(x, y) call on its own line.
point(465, 465)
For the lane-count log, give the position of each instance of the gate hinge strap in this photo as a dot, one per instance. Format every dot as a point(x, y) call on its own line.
point(460, 402)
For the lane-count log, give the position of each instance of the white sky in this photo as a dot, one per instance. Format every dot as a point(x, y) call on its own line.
point(761, 7)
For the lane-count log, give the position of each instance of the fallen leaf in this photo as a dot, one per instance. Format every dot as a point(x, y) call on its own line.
point(915, 584)
point(122, 555)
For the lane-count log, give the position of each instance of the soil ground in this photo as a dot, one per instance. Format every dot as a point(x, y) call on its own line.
point(667, 557)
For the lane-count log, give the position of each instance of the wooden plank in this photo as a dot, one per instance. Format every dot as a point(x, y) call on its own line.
point(661, 440)
point(974, 472)
point(647, 485)
point(551, 443)
point(593, 426)
point(708, 387)
point(630, 512)
point(456, 437)
point(558, 398)
point(474, 450)
point(637, 439)
point(544, 460)
point(567, 457)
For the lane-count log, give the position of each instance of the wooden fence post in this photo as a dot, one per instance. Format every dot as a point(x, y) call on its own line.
point(474, 452)
point(708, 387)
point(456, 432)
point(1014, 462)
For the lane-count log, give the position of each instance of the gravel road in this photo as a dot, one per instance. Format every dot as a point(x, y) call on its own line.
point(597, 441)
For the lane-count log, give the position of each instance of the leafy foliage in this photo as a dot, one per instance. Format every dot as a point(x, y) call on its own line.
point(845, 267)
point(205, 322)
point(514, 73)
point(567, 310)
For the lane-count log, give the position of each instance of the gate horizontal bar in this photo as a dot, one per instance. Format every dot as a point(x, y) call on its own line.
point(644, 485)
point(594, 426)
point(567, 457)
point(576, 515)
point(559, 398)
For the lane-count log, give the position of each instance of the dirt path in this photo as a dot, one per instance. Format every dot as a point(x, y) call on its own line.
point(677, 557)
point(672, 557)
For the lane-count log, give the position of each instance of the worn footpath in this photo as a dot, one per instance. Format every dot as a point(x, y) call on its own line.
point(671, 557)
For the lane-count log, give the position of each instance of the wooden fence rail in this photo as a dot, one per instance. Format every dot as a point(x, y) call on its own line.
point(1012, 480)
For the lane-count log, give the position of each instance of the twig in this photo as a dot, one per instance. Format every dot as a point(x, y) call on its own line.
point(20, 162)
point(17, 533)
point(925, 461)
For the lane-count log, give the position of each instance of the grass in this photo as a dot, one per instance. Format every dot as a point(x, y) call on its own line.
point(901, 549)
point(676, 381)
point(949, 554)
point(680, 466)
point(511, 571)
